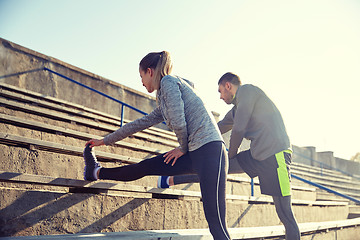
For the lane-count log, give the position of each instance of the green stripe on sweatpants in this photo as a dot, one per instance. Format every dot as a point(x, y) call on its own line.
point(283, 175)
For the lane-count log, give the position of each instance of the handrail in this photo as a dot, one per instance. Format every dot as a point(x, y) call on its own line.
point(316, 184)
point(20, 73)
point(326, 189)
point(313, 184)
point(83, 85)
point(325, 164)
point(101, 93)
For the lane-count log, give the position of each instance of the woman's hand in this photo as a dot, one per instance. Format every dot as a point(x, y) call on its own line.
point(95, 142)
point(173, 154)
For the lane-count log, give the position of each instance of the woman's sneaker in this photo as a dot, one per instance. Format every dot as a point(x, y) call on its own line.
point(163, 182)
point(91, 164)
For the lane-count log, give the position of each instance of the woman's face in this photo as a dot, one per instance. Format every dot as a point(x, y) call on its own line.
point(147, 79)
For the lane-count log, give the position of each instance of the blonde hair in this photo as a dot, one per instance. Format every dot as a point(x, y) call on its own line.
point(160, 62)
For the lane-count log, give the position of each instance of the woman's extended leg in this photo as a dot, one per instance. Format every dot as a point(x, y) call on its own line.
point(147, 167)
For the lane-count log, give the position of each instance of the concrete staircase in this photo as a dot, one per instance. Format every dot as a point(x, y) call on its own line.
point(42, 191)
point(329, 178)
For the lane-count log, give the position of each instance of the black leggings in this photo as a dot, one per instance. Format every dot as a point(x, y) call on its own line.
point(209, 162)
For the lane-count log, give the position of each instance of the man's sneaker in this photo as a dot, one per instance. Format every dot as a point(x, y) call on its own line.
point(162, 182)
point(91, 164)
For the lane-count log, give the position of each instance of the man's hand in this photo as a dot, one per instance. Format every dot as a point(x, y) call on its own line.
point(173, 154)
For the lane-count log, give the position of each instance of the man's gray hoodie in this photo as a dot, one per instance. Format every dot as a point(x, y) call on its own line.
point(255, 117)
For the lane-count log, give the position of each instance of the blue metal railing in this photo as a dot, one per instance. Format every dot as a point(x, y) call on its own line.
point(316, 184)
point(83, 85)
point(326, 189)
point(322, 164)
point(101, 93)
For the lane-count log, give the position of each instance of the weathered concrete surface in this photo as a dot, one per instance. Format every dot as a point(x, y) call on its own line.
point(326, 160)
point(351, 233)
point(35, 212)
point(16, 59)
point(274, 232)
point(83, 128)
point(24, 160)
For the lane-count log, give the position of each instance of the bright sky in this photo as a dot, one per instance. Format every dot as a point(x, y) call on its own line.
point(304, 54)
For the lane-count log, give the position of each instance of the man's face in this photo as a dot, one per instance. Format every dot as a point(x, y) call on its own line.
point(225, 93)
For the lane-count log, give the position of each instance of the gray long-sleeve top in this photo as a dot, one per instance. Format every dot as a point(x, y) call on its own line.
point(183, 111)
point(255, 117)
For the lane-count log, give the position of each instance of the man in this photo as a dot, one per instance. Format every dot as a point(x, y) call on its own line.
point(255, 117)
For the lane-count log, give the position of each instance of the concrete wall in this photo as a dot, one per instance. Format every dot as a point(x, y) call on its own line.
point(15, 60)
point(309, 156)
point(347, 166)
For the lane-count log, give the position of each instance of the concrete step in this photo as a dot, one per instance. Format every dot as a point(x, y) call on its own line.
point(106, 156)
point(41, 131)
point(334, 180)
point(75, 120)
point(322, 195)
point(327, 175)
point(130, 187)
point(331, 182)
point(346, 229)
point(320, 171)
point(12, 92)
point(240, 184)
point(35, 160)
point(76, 138)
point(351, 191)
point(71, 206)
point(354, 211)
point(31, 156)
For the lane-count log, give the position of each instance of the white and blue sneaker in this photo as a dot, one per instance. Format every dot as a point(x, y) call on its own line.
point(163, 182)
point(91, 164)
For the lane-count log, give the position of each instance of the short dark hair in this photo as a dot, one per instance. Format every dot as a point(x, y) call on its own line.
point(230, 77)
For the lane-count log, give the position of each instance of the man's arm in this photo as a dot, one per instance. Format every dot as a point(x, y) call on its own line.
point(245, 105)
point(226, 124)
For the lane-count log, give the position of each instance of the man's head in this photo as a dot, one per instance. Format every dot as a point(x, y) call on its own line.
point(228, 84)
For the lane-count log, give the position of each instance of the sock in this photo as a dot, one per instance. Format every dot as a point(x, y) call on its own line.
point(95, 172)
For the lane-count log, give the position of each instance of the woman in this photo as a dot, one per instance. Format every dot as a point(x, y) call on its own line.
point(201, 149)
